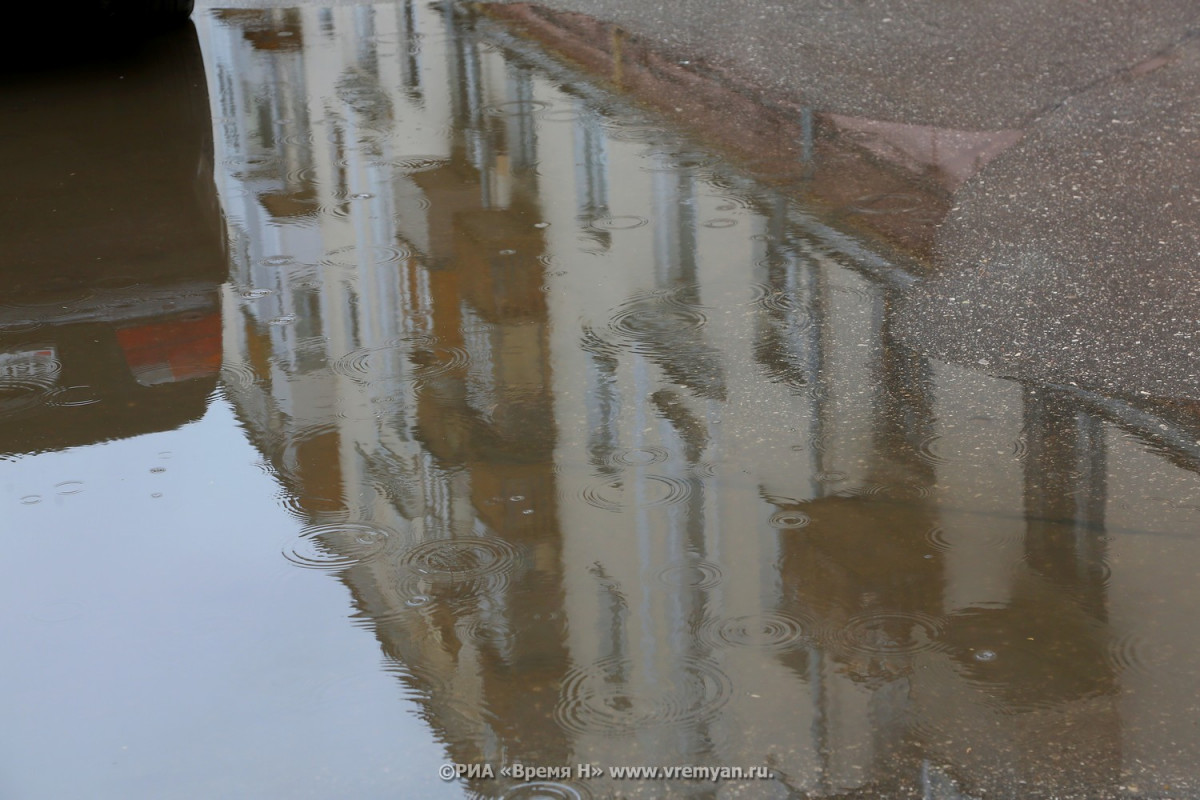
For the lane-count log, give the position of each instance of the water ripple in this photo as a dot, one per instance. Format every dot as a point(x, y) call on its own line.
point(643, 317)
point(434, 361)
point(638, 456)
point(72, 396)
point(20, 393)
point(457, 594)
point(20, 325)
point(733, 202)
point(483, 634)
point(601, 699)
point(624, 130)
point(337, 546)
point(929, 450)
point(890, 633)
point(866, 489)
point(516, 108)
point(367, 364)
point(691, 573)
point(559, 115)
point(351, 256)
point(418, 163)
point(462, 559)
point(1132, 652)
point(767, 630)
point(680, 161)
point(644, 492)
point(619, 223)
point(789, 520)
point(239, 373)
point(785, 301)
point(937, 538)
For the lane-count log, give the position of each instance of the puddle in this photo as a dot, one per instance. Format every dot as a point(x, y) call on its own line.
point(578, 427)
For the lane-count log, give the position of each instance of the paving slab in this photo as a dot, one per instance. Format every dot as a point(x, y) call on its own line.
point(1070, 249)
point(1074, 257)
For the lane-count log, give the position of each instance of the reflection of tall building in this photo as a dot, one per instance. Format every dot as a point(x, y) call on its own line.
point(615, 449)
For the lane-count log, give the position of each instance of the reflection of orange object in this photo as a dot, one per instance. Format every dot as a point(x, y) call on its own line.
point(168, 352)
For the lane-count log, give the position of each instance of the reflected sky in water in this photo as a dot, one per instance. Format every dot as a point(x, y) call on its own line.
point(526, 419)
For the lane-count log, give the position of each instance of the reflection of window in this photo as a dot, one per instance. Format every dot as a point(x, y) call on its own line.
point(229, 110)
point(466, 79)
point(337, 147)
point(786, 345)
point(522, 132)
point(364, 29)
point(602, 402)
point(308, 327)
point(266, 123)
point(674, 195)
point(410, 47)
point(481, 379)
point(591, 173)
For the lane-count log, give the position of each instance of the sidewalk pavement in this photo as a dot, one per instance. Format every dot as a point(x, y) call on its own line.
point(1070, 250)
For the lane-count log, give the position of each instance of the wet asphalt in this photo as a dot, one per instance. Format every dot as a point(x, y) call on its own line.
point(1070, 254)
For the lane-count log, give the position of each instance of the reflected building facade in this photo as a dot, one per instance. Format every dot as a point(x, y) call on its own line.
point(618, 454)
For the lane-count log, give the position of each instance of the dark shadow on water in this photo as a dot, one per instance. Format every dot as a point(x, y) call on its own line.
point(113, 242)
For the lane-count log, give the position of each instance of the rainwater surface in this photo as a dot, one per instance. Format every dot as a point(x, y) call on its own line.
point(487, 389)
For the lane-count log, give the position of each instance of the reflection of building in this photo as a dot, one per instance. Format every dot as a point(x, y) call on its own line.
point(887, 178)
point(660, 485)
point(110, 317)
